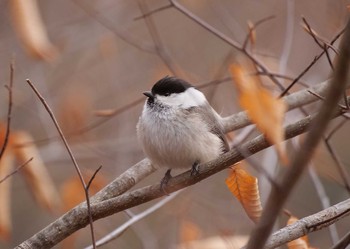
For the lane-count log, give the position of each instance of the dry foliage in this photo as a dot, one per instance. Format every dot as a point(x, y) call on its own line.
point(245, 188)
point(6, 165)
point(265, 110)
point(21, 148)
point(31, 29)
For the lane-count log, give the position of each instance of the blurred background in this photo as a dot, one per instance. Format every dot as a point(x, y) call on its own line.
point(91, 60)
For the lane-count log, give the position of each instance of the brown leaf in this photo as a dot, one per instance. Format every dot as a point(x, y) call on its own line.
point(245, 188)
point(35, 172)
point(6, 167)
point(265, 110)
point(74, 109)
point(31, 29)
point(189, 231)
point(72, 191)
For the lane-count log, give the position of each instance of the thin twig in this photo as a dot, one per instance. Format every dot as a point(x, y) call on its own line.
point(322, 195)
point(343, 242)
point(153, 11)
point(134, 218)
point(93, 177)
point(335, 129)
point(317, 38)
point(340, 166)
point(159, 48)
point(224, 38)
point(9, 110)
point(323, 98)
point(105, 22)
point(278, 196)
point(86, 190)
point(16, 170)
point(310, 65)
point(253, 28)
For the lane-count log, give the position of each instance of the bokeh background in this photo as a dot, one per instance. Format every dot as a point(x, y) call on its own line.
point(103, 56)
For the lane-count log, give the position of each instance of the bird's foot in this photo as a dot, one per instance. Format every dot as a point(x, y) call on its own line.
point(195, 169)
point(165, 181)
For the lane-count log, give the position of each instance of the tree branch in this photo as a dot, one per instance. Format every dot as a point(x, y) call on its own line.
point(309, 224)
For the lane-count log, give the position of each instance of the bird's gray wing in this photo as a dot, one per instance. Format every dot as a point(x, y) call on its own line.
point(208, 115)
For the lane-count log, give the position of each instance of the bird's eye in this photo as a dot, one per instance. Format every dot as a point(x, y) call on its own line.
point(166, 94)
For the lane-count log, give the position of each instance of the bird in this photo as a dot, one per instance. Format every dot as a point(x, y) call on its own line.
point(178, 128)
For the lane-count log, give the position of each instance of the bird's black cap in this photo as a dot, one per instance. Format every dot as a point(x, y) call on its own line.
point(169, 85)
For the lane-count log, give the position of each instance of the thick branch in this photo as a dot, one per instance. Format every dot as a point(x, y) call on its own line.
point(310, 224)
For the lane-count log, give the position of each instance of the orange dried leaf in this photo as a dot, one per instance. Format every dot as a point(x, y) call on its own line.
point(6, 165)
point(245, 188)
point(301, 243)
point(74, 109)
point(189, 231)
point(35, 172)
point(265, 110)
point(72, 191)
point(31, 29)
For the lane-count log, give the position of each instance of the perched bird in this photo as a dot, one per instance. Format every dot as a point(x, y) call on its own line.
point(178, 128)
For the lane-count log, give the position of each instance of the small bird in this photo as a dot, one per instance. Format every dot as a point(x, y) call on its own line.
point(178, 128)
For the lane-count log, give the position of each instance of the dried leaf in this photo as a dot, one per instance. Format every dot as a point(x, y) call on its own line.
point(6, 165)
point(35, 172)
point(31, 29)
point(75, 109)
point(189, 231)
point(72, 191)
point(266, 111)
point(245, 188)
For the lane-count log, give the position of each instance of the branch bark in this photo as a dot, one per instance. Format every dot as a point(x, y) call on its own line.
point(309, 224)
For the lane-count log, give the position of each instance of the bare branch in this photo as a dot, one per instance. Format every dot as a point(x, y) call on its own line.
point(135, 218)
point(110, 26)
point(16, 170)
point(343, 243)
point(310, 65)
point(86, 190)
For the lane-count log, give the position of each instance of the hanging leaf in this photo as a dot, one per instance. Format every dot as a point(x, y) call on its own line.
point(6, 166)
point(265, 110)
point(35, 172)
point(245, 188)
point(31, 29)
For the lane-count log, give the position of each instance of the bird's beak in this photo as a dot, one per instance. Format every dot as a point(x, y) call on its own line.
point(148, 94)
